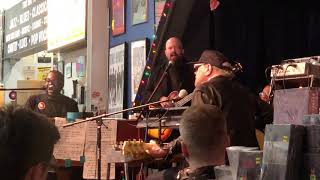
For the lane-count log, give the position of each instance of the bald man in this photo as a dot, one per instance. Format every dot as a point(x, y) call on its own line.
point(180, 75)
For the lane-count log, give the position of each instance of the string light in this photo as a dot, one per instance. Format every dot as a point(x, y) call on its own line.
point(147, 74)
point(138, 97)
point(153, 45)
point(147, 71)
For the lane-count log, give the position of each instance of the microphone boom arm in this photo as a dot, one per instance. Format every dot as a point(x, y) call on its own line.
point(117, 112)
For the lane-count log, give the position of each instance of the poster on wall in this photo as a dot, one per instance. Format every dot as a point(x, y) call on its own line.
point(117, 17)
point(68, 70)
point(138, 62)
point(81, 66)
point(139, 10)
point(43, 72)
point(61, 66)
point(25, 28)
point(116, 79)
point(158, 9)
point(29, 72)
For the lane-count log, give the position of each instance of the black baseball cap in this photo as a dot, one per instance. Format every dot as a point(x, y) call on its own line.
point(212, 57)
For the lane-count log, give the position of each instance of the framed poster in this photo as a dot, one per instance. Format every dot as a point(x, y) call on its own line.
point(158, 9)
point(139, 10)
point(116, 79)
point(138, 63)
point(117, 17)
point(61, 66)
point(68, 70)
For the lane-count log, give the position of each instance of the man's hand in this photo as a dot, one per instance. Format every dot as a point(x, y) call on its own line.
point(155, 151)
point(214, 4)
point(166, 104)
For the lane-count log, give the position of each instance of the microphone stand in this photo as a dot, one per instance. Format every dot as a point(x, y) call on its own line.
point(21, 89)
point(99, 123)
point(117, 112)
point(164, 74)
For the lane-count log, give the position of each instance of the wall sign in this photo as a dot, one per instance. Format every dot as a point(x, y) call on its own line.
point(25, 28)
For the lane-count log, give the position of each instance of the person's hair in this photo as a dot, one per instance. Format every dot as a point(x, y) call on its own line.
point(223, 72)
point(203, 131)
point(26, 139)
point(59, 75)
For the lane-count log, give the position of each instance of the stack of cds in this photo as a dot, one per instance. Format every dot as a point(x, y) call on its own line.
point(282, 154)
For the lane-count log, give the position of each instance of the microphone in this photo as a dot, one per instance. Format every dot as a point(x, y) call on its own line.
point(169, 66)
point(182, 94)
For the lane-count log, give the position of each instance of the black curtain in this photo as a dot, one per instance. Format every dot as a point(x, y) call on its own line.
point(265, 32)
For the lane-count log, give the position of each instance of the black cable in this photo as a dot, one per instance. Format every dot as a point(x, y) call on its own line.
point(284, 76)
point(265, 72)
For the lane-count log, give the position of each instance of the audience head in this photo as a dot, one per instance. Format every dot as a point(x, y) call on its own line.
point(204, 135)
point(54, 82)
point(211, 64)
point(174, 49)
point(26, 144)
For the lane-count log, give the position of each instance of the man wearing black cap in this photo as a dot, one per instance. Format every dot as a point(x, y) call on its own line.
point(215, 85)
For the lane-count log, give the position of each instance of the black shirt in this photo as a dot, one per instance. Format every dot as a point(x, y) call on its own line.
point(56, 106)
point(180, 76)
point(239, 106)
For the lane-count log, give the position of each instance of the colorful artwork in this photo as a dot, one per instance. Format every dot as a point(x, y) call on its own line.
point(117, 17)
point(68, 70)
point(139, 10)
point(159, 5)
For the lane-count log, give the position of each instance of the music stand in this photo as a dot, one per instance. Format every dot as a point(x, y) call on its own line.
point(99, 122)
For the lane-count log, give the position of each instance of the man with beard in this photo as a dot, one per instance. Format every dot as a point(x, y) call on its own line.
point(55, 104)
point(180, 75)
point(52, 103)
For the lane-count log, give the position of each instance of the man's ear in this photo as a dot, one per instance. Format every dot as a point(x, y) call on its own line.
point(184, 150)
point(209, 69)
point(36, 172)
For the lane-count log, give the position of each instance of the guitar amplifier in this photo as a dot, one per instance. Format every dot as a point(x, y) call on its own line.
point(294, 73)
point(295, 69)
point(282, 153)
point(290, 105)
